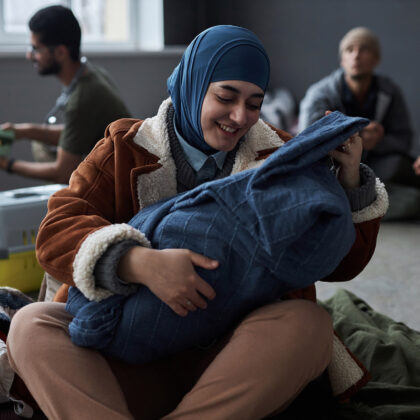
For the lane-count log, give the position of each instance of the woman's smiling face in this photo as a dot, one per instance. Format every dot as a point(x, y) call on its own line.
point(230, 108)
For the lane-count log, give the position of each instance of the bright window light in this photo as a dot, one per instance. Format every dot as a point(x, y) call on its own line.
point(106, 24)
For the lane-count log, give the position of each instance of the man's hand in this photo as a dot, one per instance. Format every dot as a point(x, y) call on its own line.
point(170, 275)
point(416, 166)
point(48, 134)
point(58, 171)
point(3, 163)
point(372, 134)
point(19, 130)
point(7, 126)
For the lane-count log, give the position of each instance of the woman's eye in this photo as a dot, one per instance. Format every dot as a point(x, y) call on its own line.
point(255, 107)
point(222, 99)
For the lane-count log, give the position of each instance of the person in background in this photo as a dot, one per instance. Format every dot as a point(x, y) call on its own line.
point(207, 129)
point(88, 102)
point(356, 90)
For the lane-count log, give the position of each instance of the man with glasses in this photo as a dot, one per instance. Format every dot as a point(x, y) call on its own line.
point(87, 104)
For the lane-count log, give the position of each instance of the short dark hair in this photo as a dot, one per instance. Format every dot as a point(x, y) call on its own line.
point(57, 25)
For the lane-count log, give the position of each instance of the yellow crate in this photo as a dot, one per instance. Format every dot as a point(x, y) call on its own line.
point(21, 212)
point(21, 271)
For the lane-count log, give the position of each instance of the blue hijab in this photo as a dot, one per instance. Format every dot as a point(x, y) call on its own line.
point(219, 53)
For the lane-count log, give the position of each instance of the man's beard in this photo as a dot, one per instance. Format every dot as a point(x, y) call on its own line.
point(53, 67)
point(360, 77)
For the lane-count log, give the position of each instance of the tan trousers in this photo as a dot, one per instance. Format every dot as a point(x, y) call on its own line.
point(256, 371)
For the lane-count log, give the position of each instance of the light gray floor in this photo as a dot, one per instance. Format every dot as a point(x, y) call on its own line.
point(391, 281)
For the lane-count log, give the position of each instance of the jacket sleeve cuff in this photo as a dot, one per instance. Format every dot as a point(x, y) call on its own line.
point(376, 209)
point(364, 195)
point(93, 248)
point(105, 270)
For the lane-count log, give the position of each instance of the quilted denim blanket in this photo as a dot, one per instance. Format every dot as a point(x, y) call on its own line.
point(273, 229)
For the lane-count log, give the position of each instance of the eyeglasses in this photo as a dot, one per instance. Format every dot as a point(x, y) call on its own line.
point(32, 49)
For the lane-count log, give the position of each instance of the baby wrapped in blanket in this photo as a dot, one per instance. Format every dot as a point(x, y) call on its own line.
point(274, 229)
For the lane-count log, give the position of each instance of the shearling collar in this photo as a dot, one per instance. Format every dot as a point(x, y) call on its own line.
point(161, 183)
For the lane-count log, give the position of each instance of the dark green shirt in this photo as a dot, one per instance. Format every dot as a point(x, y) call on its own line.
point(92, 105)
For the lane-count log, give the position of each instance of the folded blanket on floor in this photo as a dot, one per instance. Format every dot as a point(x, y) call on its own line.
point(390, 351)
point(273, 229)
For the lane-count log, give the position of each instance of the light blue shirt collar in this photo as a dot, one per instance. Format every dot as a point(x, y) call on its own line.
point(196, 158)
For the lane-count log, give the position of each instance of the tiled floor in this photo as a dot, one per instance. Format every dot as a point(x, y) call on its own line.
point(391, 281)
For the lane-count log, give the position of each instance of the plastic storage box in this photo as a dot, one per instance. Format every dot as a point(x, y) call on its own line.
point(21, 212)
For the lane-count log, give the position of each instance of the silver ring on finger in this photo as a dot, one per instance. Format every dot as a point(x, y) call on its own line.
point(188, 302)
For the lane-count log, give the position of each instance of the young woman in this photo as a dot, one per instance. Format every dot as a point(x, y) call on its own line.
point(244, 222)
point(207, 129)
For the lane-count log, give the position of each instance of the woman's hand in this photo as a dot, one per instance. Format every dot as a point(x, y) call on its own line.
point(170, 275)
point(348, 155)
point(372, 134)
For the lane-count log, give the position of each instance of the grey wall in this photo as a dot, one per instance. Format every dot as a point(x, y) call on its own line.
point(301, 37)
point(184, 19)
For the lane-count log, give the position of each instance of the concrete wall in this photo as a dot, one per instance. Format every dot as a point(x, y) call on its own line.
point(301, 37)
